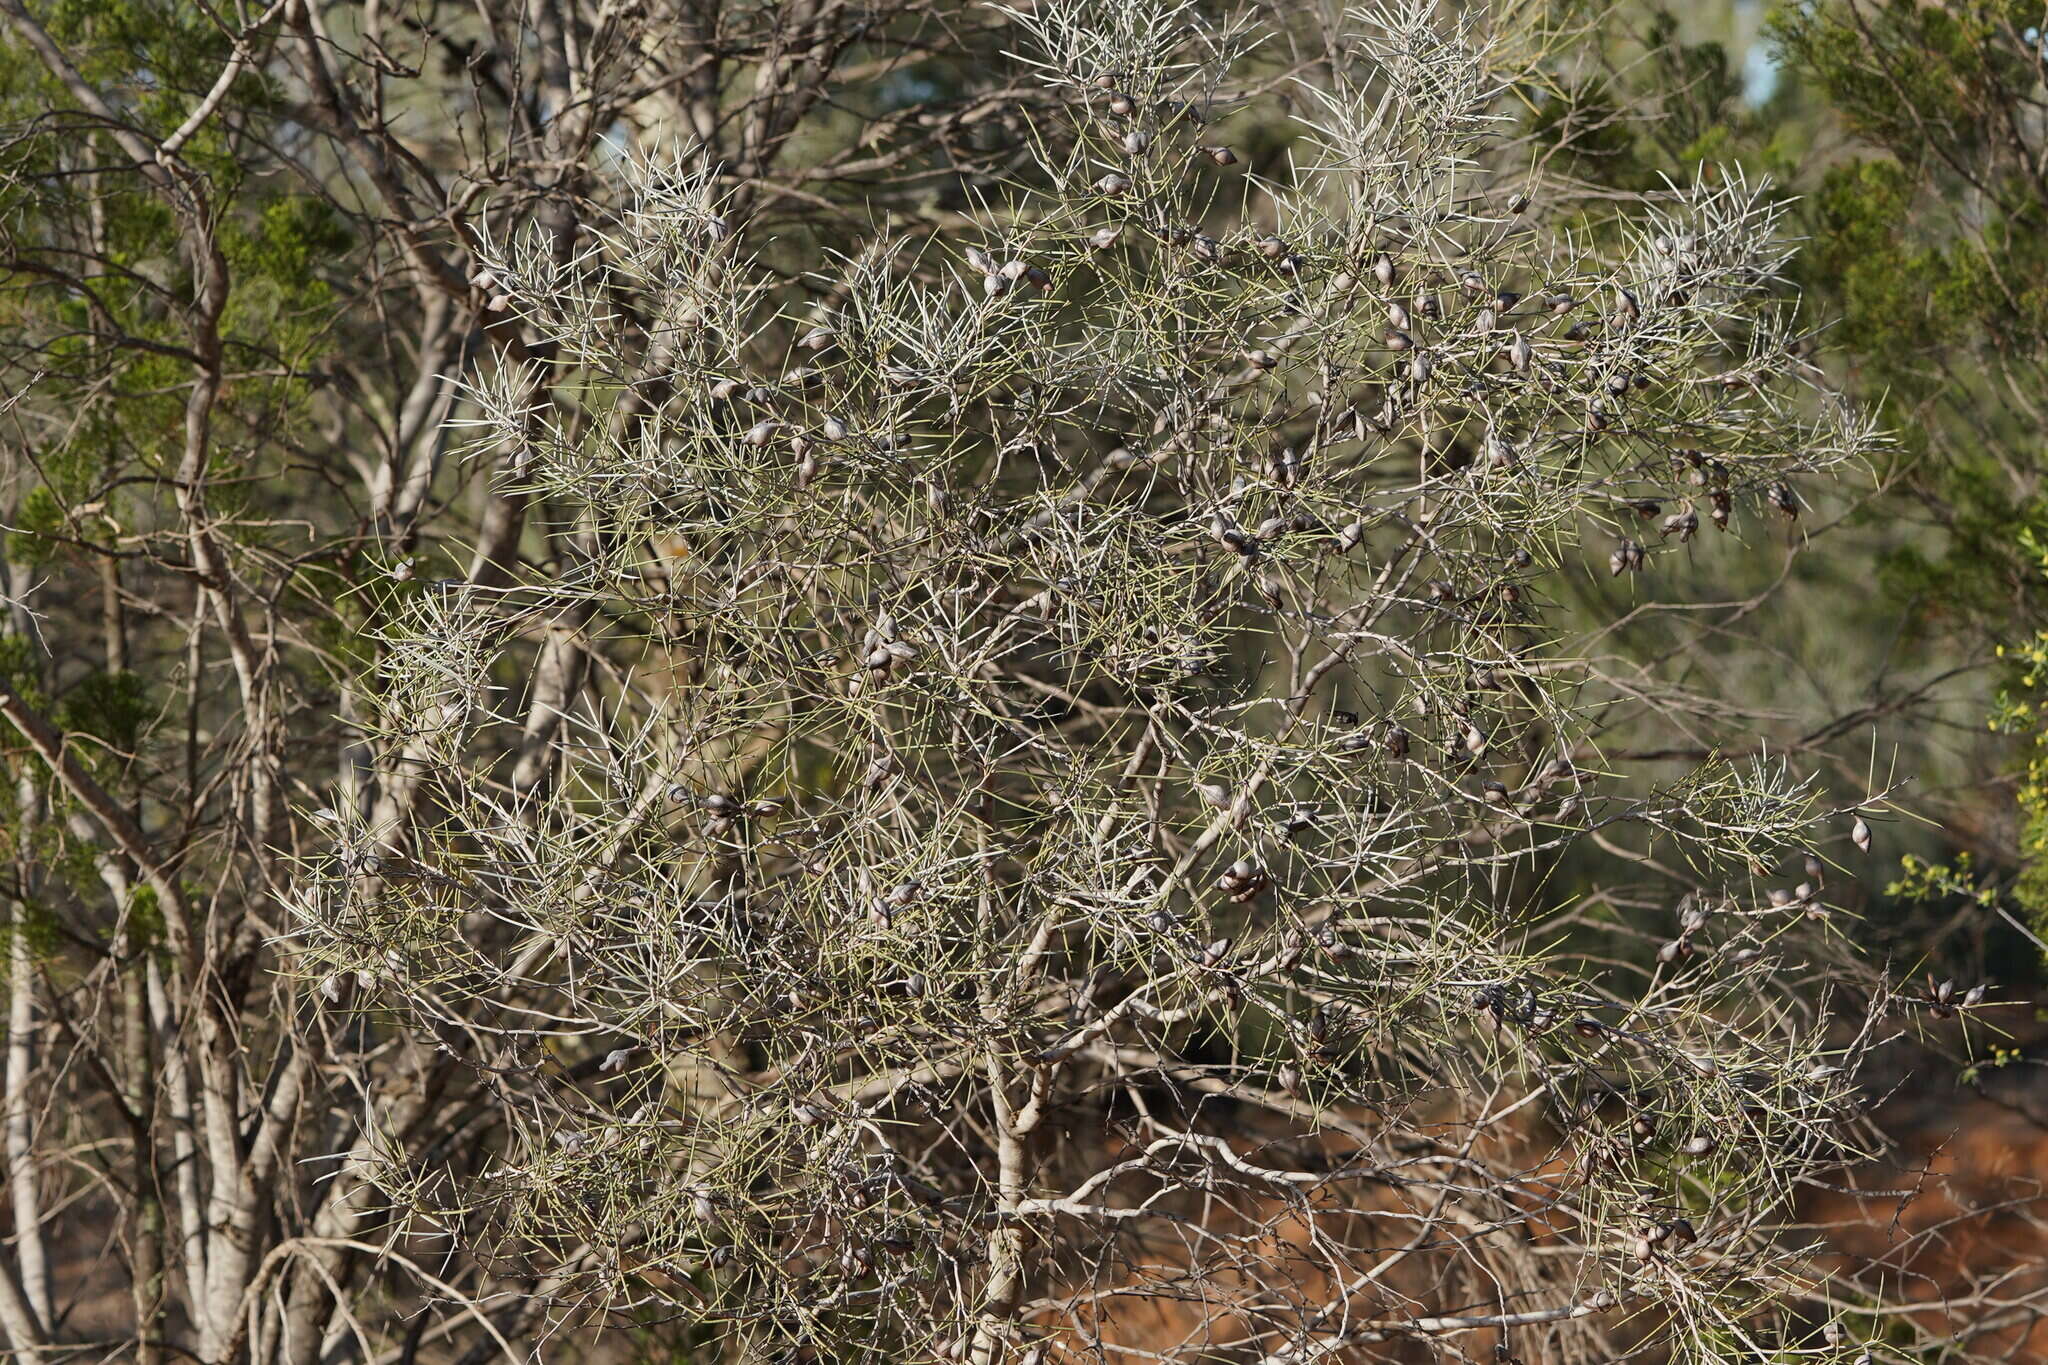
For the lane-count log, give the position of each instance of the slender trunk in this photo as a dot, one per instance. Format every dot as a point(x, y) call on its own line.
point(31, 1258)
point(146, 1229)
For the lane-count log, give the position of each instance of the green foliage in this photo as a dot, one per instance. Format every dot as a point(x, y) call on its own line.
point(145, 917)
point(38, 520)
point(37, 926)
point(109, 707)
point(19, 666)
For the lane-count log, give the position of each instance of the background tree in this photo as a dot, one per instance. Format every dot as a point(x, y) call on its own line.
point(886, 682)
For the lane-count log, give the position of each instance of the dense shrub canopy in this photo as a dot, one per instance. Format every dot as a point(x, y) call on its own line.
point(908, 684)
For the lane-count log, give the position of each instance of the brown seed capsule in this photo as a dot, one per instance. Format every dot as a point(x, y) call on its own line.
point(1271, 247)
point(1261, 360)
point(1399, 341)
point(1136, 141)
point(1520, 352)
point(1104, 238)
point(1782, 498)
point(1222, 156)
point(1700, 1145)
point(1122, 105)
point(1113, 184)
point(1494, 793)
point(1383, 269)
point(1684, 525)
point(1859, 834)
point(1397, 315)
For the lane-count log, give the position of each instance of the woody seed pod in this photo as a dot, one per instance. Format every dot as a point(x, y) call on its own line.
point(1222, 156)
